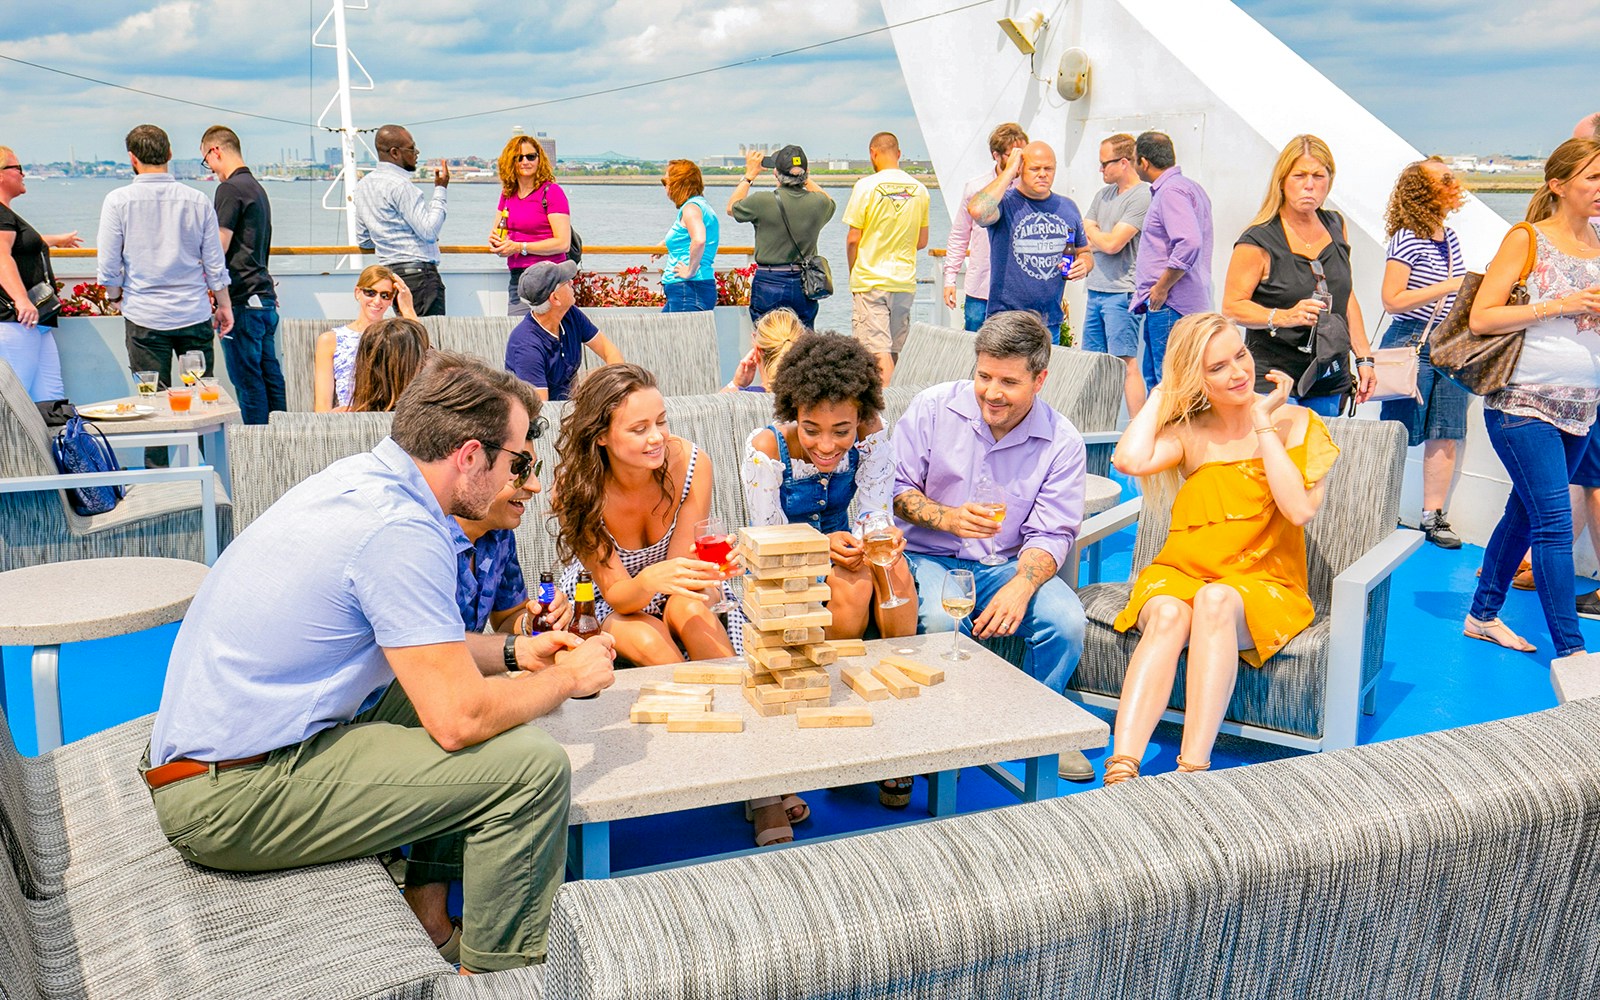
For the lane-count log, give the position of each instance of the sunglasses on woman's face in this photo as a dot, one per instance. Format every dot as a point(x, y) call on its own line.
point(373, 293)
point(527, 157)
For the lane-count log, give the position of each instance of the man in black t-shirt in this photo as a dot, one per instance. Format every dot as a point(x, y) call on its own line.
point(245, 219)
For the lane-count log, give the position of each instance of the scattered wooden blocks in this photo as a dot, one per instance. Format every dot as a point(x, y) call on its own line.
point(708, 673)
point(921, 673)
point(861, 681)
point(848, 647)
point(833, 717)
point(705, 722)
point(898, 683)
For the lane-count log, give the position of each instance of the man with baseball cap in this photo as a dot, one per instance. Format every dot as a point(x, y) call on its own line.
point(546, 348)
point(788, 221)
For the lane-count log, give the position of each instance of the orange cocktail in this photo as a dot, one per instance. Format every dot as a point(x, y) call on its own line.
point(180, 399)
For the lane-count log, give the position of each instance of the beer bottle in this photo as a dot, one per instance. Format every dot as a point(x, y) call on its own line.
point(543, 621)
point(501, 225)
point(584, 622)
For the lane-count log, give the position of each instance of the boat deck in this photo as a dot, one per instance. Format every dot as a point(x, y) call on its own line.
point(1433, 678)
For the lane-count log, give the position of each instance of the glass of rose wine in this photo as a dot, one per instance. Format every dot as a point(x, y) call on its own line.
point(878, 538)
point(991, 498)
point(713, 544)
point(959, 597)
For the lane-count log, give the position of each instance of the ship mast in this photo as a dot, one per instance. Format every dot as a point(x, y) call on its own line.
point(345, 181)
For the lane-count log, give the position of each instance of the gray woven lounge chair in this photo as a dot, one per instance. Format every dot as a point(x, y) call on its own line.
point(1307, 696)
point(179, 513)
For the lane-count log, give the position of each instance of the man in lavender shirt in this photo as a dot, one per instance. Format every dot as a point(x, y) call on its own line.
point(1172, 278)
point(969, 244)
point(954, 434)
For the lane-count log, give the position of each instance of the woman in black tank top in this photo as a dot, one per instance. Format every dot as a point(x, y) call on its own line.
point(1294, 249)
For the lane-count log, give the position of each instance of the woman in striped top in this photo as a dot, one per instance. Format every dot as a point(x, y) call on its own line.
point(1420, 279)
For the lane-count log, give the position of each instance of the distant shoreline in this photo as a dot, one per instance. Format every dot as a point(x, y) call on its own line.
point(1500, 183)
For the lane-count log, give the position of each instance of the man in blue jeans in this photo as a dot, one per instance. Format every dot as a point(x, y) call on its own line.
point(788, 220)
point(956, 435)
point(244, 218)
point(1111, 225)
point(1172, 278)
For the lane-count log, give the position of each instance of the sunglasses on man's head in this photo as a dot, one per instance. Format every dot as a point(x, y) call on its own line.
point(373, 293)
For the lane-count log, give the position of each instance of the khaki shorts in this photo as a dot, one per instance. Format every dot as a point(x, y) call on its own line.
point(881, 320)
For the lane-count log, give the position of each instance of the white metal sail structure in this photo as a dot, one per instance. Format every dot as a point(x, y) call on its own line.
point(1228, 92)
point(345, 181)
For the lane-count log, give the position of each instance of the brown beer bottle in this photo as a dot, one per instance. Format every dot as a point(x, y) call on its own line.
point(584, 622)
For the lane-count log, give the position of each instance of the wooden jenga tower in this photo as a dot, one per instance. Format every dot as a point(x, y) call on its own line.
point(785, 608)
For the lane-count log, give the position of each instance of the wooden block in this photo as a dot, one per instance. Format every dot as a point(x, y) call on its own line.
point(764, 569)
point(898, 683)
point(788, 637)
point(753, 678)
point(848, 647)
point(861, 681)
point(919, 672)
point(796, 584)
point(820, 653)
point(775, 594)
point(705, 722)
point(676, 701)
point(707, 673)
point(658, 710)
point(798, 559)
point(810, 677)
point(782, 540)
point(771, 694)
point(673, 689)
point(793, 707)
point(762, 709)
point(769, 658)
point(765, 621)
point(833, 718)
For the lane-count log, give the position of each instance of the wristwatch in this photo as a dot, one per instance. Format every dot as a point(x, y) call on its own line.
point(510, 654)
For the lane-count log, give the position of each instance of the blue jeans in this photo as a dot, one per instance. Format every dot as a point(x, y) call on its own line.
point(690, 296)
point(1158, 324)
point(1108, 326)
point(1052, 631)
point(252, 355)
point(974, 312)
point(770, 290)
point(1540, 460)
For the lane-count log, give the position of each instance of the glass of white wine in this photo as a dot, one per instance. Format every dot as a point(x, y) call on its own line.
point(877, 536)
point(959, 597)
point(991, 498)
point(145, 382)
point(191, 367)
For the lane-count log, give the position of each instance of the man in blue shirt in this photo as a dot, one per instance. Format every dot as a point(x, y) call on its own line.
point(545, 350)
point(323, 681)
point(1030, 229)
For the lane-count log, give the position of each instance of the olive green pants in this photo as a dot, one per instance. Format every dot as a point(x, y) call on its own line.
point(381, 782)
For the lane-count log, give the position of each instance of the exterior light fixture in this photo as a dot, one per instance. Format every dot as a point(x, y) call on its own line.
point(1072, 76)
point(1025, 30)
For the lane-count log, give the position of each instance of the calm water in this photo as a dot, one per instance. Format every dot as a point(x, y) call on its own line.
point(603, 214)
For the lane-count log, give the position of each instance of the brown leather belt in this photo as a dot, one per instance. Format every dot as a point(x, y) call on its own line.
point(177, 770)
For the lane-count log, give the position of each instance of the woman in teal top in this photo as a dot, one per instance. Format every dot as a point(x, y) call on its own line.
point(692, 241)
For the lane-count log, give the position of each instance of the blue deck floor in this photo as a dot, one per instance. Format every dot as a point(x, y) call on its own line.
point(1432, 679)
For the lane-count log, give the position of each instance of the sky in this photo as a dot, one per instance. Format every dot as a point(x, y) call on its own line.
point(1451, 76)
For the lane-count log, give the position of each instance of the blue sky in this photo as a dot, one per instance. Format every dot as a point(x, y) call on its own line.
point(1456, 76)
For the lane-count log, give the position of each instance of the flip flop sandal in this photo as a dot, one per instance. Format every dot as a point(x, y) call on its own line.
point(766, 836)
point(895, 793)
point(795, 808)
point(1475, 629)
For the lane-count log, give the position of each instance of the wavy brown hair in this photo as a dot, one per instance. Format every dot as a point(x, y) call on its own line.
point(1414, 203)
point(543, 172)
point(390, 354)
point(578, 493)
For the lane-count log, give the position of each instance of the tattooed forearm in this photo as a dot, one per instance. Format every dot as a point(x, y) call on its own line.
point(919, 510)
point(984, 208)
point(1035, 567)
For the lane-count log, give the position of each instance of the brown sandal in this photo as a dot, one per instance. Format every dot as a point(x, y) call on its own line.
point(1188, 767)
point(1498, 632)
point(1119, 768)
point(777, 833)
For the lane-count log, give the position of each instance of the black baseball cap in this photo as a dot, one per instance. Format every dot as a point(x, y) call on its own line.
point(786, 160)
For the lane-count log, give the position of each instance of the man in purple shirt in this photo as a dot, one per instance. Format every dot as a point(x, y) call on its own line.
point(1173, 276)
point(954, 435)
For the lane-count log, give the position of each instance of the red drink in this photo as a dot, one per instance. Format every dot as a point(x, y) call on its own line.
point(713, 549)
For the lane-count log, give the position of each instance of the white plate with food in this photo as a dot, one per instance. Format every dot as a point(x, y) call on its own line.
point(116, 411)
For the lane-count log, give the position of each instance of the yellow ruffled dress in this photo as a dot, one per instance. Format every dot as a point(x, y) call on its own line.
point(1226, 528)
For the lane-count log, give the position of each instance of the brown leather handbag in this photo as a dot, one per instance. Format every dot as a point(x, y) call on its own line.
point(1481, 364)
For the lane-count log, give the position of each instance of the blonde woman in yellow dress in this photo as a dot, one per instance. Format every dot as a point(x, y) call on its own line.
point(1230, 583)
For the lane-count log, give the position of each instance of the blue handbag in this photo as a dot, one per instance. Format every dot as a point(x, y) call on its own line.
point(82, 447)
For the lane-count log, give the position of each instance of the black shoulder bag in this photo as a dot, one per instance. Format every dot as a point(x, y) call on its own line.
point(816, 278)
point(574, 241)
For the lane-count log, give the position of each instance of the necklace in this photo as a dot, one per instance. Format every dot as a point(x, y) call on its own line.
point(1290, 230)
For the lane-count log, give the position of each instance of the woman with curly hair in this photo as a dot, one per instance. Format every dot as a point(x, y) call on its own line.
point(535, 222)
point(1420, 280)
point(827, 447)
point(389, 357)
point(627, 494)
point(772, 337)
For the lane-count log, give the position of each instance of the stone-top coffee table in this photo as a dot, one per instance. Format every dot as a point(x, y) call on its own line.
point(985, 711)
point(82, 599)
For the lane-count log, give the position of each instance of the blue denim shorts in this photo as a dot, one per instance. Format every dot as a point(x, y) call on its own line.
point(1108, 326)
point(1442, 414)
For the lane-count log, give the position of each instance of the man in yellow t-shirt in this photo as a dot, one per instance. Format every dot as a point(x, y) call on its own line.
point(888, 220)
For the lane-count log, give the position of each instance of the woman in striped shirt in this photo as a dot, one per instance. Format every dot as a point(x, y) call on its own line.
point(1420, 279)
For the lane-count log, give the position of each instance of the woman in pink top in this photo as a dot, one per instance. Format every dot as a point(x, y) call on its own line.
point(537, 224)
